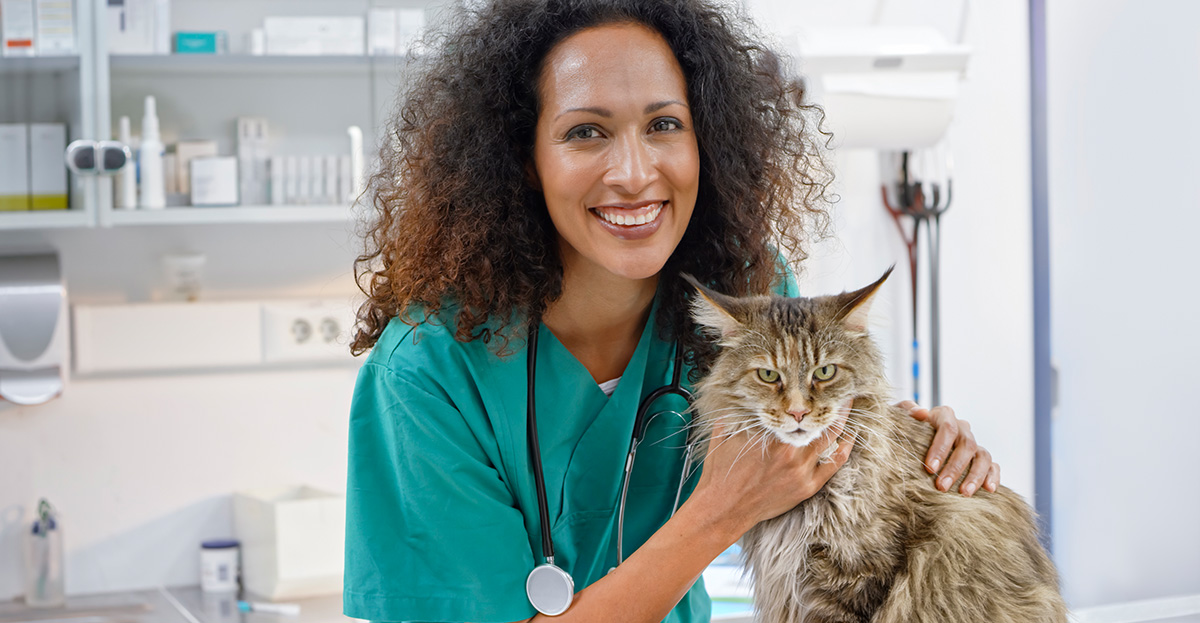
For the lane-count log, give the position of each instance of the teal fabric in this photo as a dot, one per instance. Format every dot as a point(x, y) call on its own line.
point(442, 516)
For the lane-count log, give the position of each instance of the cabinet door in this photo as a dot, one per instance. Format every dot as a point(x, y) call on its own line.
point(47, 99)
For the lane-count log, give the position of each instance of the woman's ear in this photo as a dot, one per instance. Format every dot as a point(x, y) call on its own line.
point(531, 175)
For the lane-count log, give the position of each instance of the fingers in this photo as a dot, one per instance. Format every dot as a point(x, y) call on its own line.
point(948, 427)
point(993, 478)
point(914, 409)
point(965, 450)
point(981, 466)
point(825, 471)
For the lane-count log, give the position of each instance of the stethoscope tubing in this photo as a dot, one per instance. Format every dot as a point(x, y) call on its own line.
point(548, 575)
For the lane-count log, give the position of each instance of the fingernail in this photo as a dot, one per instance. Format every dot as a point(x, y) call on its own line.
point(946, 484)
point(934, 465)
point(970, 489)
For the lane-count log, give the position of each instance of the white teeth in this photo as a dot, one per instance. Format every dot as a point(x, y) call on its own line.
point(617, 218)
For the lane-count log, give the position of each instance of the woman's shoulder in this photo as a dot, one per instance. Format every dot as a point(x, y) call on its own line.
point(419, 348)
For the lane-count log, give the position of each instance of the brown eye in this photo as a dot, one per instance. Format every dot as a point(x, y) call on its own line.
point(768, 376)
point(824, 373)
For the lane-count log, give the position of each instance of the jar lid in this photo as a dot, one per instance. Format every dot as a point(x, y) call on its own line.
point(219, 544)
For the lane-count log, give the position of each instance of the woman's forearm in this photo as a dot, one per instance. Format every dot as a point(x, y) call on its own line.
point(655, 577)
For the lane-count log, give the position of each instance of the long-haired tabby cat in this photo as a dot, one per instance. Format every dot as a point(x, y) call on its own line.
point(878, 543)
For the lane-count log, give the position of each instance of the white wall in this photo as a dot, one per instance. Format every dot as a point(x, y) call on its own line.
point(1124, 79)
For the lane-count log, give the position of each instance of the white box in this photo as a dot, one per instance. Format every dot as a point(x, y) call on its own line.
point(345, 183)
point(315, 36)
point(47, 170)
point(215, 181)
point(185, 151)
point(293, 541)
point(132, 26)
point(14, 174)
point(17, 24)
point(291, 180)
point(253, 171)
point(331, 181)
point(55, 27)
point(277, 184)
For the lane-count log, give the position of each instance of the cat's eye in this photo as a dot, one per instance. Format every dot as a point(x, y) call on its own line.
point(824, 373)
point(768, 375)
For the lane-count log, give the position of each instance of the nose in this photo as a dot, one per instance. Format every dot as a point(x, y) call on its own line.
point(631, 166)
point(799, 413)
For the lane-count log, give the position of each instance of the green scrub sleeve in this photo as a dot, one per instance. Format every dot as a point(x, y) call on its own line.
point(787, 285)
point(432, 531)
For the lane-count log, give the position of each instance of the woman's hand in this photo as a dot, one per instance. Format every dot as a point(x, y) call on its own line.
point(955, 435)
point(757, 478)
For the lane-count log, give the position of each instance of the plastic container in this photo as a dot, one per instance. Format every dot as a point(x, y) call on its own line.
point(150, 161)
point(293, 541)
point(44, 560)
point(219, 563)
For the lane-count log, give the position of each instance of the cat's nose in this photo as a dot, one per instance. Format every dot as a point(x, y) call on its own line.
point(799, 415)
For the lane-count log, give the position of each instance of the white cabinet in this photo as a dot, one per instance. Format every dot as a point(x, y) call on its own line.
point(308, 102)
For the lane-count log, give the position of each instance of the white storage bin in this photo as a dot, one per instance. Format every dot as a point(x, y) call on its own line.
point(293, 541)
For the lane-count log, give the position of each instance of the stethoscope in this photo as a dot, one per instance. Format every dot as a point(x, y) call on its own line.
point(550, 589)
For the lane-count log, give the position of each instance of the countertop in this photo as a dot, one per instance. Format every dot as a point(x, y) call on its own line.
point(185, 604)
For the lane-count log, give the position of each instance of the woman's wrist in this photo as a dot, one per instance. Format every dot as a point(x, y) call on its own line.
point(713, 512)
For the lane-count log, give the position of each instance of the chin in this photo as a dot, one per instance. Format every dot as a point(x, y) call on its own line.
point(638, 270)
point(798, 438)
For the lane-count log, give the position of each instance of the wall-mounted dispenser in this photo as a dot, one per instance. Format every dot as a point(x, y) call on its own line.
point(883, 88)
point(33, 329)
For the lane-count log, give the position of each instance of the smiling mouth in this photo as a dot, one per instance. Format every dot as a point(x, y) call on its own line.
point(630, 217)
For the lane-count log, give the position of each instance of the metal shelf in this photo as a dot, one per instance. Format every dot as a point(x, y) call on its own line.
point(44, 219)
point(241, 63)
point(38, 64)
point(234, 215)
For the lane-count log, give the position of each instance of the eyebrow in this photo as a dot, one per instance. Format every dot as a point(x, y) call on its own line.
point(604, 112)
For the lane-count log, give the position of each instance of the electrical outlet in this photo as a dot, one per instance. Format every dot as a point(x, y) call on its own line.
point(317, 330)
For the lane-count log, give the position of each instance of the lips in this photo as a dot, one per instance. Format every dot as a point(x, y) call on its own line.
point(631, 221)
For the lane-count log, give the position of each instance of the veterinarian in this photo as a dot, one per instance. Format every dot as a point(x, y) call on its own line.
point(554, 165)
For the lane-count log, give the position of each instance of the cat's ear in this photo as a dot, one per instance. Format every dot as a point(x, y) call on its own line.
point(714, 311)
point(853, 307)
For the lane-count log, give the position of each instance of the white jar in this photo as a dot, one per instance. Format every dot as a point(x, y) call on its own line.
point(219, 566)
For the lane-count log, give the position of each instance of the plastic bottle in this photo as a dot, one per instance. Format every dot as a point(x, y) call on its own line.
point(150, 161)
point(127, 176)
point(44, 560)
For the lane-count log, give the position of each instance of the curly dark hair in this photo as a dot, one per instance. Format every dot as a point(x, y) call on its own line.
point(460, 228)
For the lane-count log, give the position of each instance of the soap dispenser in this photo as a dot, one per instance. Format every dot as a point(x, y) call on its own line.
point(33, 329)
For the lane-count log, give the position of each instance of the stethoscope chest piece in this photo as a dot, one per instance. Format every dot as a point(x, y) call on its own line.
point(550, 589)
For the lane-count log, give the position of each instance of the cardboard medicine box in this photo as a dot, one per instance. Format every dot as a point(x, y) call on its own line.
point(14, 175)
point(47, 171)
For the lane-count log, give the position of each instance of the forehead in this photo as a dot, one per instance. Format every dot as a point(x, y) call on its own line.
point(610, 65)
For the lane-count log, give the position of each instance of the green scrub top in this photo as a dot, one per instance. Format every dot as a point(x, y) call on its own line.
point(442, 521)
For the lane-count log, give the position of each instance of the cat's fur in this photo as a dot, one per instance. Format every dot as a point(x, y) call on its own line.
point(879, 542)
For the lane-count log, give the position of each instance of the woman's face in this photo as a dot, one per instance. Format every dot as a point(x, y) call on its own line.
point(615, 153)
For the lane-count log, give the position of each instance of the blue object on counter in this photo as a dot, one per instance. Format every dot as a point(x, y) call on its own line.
point(219, 544)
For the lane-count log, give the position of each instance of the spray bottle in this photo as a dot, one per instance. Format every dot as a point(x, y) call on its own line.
point(150, 161)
